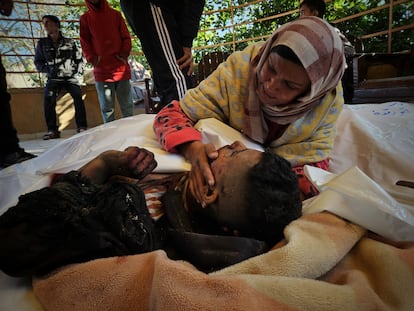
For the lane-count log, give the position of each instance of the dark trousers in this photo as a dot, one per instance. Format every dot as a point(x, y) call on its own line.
point(52, 89)
point(159, 35)
point(9, 141)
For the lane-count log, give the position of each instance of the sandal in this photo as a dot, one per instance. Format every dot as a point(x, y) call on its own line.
point(51, 135)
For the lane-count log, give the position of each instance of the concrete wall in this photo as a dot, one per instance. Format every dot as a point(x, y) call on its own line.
point(28, 116)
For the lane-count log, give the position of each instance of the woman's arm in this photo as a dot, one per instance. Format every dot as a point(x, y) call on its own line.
point(310, 139)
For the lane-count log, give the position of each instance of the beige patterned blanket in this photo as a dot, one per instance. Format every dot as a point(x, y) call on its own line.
point(325, 263)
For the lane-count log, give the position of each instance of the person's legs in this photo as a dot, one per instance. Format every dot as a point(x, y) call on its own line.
point(80, 113)
point(8, 134)
point(10, 151)
point(49, 104)
point(106, 96)
point(123, 94)
point(158, 33)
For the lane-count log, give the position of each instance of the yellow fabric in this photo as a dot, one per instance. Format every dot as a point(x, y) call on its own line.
point(221, 96)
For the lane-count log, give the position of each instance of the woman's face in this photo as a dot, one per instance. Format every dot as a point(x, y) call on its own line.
point(281, 81)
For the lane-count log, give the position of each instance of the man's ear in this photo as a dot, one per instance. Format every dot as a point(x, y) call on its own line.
point(210, 195)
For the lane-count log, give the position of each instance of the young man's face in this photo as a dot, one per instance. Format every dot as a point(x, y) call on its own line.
point(50, 26)
point(230, 171)
point(281, 81)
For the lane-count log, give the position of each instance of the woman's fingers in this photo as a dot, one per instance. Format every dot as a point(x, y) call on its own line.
point(201, 177)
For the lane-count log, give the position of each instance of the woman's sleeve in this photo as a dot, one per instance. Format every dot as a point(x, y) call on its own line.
point(223, 93)
point(172, 127)
point(311, 138)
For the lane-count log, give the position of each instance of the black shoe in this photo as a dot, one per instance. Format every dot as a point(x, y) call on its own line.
point(81, 129)
point(51, 135)
point(15, 157)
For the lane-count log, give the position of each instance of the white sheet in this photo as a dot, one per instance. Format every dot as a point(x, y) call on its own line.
point(378, 138)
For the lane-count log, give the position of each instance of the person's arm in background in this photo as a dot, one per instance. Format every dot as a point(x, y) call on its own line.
point(125, 39)
point(40, 60)
point(189, 22)
point(86, 42)
point(77, 59)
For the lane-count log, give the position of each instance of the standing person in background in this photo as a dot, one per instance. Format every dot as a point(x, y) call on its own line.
point(106, 44)
point(61, 60)
point(318, 8)
point(285, 94)
point(10, 152)
point(166, 30)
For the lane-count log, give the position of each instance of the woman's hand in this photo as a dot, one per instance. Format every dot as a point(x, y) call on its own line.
point(201, 176)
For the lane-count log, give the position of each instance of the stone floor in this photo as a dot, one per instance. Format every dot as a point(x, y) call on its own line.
point(34, 143)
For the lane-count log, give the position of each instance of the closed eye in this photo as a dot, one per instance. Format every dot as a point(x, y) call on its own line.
point(237, 152)
point(292, 85)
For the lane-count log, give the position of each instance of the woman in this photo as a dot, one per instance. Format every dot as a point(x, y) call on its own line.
point(284, 93)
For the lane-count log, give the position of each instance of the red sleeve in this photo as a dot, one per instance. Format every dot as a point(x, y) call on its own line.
point(172, 127)
point(307, 189)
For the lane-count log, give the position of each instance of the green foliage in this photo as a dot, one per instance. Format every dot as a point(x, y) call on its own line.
point(227, 25)
point(355, 28)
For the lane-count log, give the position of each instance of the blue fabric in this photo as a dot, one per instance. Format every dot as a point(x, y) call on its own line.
point(106, 95)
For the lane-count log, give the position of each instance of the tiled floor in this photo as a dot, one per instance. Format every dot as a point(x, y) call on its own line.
point(33, 143)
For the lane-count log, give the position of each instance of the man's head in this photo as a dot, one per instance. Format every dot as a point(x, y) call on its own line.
point(6, 7)
point(51, 23)
point(256, 193)
point(312, 8)
point(94, 2)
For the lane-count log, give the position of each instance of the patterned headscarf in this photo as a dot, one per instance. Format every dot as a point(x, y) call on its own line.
point(320, 50)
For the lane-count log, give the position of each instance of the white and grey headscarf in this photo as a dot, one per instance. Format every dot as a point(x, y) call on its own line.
point(320, 50)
